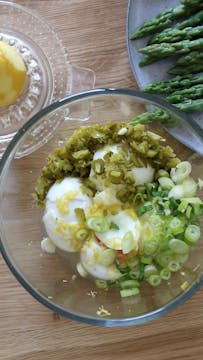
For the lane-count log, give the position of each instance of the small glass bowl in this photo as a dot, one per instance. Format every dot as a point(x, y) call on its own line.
point(52, 279)
point(50, 75)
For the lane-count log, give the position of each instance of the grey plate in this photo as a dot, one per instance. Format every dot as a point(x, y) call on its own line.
point(138, 12)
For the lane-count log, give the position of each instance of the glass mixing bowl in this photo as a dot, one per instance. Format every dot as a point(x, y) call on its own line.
point(52, 278)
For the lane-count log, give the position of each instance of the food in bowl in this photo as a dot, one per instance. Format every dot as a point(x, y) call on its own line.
point(12, 74)
point(122, 200)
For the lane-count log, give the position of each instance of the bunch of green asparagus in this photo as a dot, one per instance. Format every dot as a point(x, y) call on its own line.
point(183, 38)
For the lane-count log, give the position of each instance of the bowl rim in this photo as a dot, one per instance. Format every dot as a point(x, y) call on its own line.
point(140, 319)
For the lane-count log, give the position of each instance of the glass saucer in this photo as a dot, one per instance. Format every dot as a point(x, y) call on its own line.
point(49, 71)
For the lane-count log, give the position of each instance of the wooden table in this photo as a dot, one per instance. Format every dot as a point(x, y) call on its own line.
point(94, 33)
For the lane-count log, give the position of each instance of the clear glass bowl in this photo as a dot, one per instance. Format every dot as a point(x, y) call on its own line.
point(52, 279)
point(50, 74)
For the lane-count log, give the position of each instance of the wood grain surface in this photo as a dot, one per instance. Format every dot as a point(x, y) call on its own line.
point(94, 33)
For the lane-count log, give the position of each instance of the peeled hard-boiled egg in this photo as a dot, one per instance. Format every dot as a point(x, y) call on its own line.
point(90, 254)
point(125, 222)
point(59, 218)
point(143, 175)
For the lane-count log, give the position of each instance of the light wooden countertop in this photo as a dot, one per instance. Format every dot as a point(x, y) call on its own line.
point(94, 33)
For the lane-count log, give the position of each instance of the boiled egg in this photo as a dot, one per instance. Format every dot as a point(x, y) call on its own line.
point(125, 223)
point(90, 254)
point(60, 220)
point(142, 175)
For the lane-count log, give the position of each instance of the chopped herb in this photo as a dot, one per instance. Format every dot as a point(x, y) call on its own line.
point(114, 226)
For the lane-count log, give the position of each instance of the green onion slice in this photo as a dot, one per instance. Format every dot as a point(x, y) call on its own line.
point(98, 224)
point(129, 292)
point(178, 246)
point(107, 257)
point(181, 172)
point(154, 280)
point(128, 242)
point(192, 234)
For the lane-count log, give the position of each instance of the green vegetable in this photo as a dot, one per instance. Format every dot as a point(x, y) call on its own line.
point(193, 93)
point(157, 114)
point(101, 284)
point(178, 246)
point(173, 265)
point(82, 234)
point(157, 52)
point(98, 224)
point(193, 57)
point(160, 21)
point(191, 105)
point(107, 257)
point(175, 35)
point(129, 284)
point(113, 226)
point(150, 270)
point(166, 183)
point(174, 84)
point(165, 274)
point(154, 280)
point(176, 226)
point(128, 242)
point(192, 234)
point(129, 292)
point(190, 69)
point(181, 172)
point(191, 21)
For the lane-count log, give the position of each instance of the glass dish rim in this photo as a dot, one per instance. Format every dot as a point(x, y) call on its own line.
point(143, 318)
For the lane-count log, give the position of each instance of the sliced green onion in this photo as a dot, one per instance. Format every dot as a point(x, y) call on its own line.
point(176, 226)
point(165, 274)
point(178, 246)
point(192, 234)
point(176, 192)
point(137, 273)
point(150, 270)
point(98, 224)
point(113, 226)
point(82, 234)
point(129, 292)
point(181, 172)
point(82, 271)
point(150, 246)
point(133, 262)
point(129, 284)
point(166, 183)
point(173, 265)
point(161, 173)
point(139, 196)
point(101, 284)
point(128, 242)
point(107, 257)
point(154, 280)
point(188, 212)
point(146, 260)
point(198, 209)
point(189, 187)
point(164, 258)
point(181, 258)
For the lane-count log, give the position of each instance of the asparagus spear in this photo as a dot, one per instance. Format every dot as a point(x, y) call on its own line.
point(156, 52)
point(160, 21)
point(192, 3)
point(184, 70)
point(178, 82)
point(157, 114)
point(194, 57)
point(175, 35)
point(193, 93)
point(191, 105)
point(192, 21)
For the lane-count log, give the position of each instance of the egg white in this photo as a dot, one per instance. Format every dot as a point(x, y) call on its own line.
point(127, 221)
point(59, 216)
point(89, 258)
